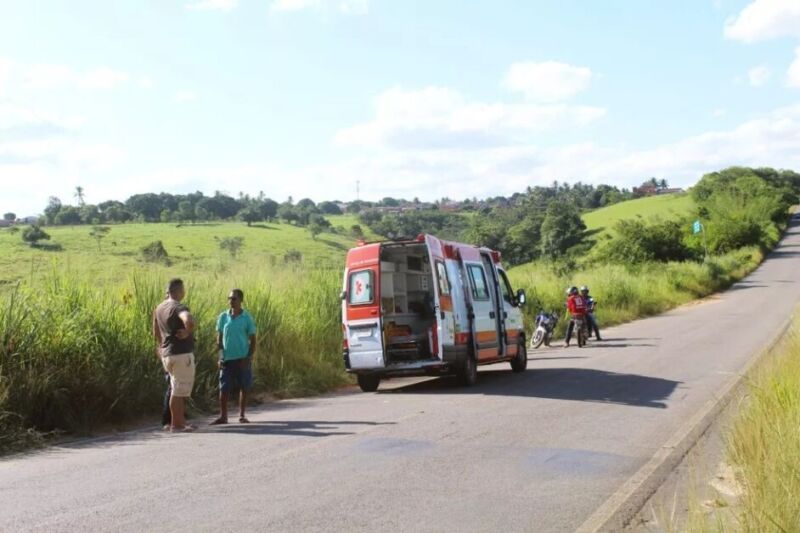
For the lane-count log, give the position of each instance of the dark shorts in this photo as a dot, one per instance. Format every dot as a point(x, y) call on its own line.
point(236, 374)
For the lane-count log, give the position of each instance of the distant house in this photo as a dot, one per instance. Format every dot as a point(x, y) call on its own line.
point(672, 190)
point(28, 220)
point(4, 223)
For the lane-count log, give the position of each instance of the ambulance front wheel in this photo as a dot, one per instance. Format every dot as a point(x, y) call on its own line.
point(369, 382)
point(467, 372)
point(520, 361)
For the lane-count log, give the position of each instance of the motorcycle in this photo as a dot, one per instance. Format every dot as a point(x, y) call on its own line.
point(581, 330)
point(545, 326)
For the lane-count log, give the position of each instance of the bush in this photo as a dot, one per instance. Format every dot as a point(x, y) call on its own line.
point(292, 256)
point(33, 234)
point(639, 242)
point(232, 245)
point(155, 253)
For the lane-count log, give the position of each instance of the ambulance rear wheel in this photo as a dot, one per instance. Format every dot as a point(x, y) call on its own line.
point(467, 372)
point(520, 361)
point(369, 382)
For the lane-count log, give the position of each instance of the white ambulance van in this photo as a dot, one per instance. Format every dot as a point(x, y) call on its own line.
point(428, 306)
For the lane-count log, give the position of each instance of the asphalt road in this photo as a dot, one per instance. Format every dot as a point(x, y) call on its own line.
point(538, 451)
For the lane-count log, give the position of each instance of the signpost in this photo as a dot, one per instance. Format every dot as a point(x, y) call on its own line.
point(698, 227)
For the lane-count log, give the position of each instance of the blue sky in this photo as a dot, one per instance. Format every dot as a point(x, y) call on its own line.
point(413, 98)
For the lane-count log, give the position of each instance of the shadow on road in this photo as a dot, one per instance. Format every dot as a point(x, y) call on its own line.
point(576, 384)
point(299, 428)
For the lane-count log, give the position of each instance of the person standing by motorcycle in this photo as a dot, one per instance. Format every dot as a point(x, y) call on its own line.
point(591, 320)
point(576, 306)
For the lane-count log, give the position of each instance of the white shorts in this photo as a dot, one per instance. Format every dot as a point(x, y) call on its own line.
point(180, 368)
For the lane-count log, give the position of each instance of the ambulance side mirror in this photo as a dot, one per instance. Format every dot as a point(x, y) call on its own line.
point(521, 298)
point(343, 295)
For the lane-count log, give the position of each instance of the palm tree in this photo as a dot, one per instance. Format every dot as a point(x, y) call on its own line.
point(80, 196)
point(663, 184)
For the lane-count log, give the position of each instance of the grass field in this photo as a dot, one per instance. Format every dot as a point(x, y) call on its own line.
point(191, 248)
point(601, 221)
point(75, 343)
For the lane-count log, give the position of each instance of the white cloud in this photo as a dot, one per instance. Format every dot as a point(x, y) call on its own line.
point(548, 81)
point(47, 76)
point(212, 5)
point(437, 118)
point(765, 19)
point(185, 96)
point(720, 112)
point(793, 74)
point(758, 76)
point(348, 7)
point(145, 82)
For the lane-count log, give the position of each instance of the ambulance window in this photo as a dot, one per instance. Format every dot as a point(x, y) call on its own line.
point(444, 283)
point(478, 280)
point(360, 287)
point(505, 287)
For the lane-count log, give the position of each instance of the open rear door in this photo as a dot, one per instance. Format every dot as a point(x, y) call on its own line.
point(361, 308)
point(444, 330)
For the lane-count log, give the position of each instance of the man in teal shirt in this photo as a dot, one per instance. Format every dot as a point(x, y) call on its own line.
point(236, 339)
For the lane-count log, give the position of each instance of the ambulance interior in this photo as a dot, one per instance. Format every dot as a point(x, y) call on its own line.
point(407, 302)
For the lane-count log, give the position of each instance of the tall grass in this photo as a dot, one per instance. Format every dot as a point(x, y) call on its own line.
point(765, 443)
point(626, 293)
point(74, 354)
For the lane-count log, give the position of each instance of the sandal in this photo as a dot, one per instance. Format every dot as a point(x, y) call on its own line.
point(219, 421)
point(243, 420)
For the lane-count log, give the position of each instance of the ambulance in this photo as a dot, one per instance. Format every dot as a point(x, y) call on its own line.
point(426, 306)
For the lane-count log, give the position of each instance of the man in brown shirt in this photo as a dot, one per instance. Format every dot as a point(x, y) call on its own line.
point(173, 327)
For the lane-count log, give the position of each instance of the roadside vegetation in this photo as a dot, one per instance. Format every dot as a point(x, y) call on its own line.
point(76, 351)
point(763, 447)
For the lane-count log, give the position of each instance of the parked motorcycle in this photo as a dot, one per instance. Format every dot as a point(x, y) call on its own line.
point(545, 326)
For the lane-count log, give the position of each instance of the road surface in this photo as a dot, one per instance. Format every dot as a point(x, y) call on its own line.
point(538, 451)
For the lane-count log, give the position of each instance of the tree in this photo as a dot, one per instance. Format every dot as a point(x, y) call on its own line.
point(201, 213)
point(268, 209)
point(232, 245)
point(288, 213)
point(99, 233)
point(317, 224)
point(80, 195)
point(306, 203)
point(9, 217)
point(186, 211)
point(562, 228)
point(68, 215)
point(329, 208)
point(250, 214)
point(33, 234)
point(52, 209)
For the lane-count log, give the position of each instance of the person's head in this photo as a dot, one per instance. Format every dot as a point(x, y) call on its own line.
point(573, 291)
point(235, 298)
point(175, 289)
point(585, 290)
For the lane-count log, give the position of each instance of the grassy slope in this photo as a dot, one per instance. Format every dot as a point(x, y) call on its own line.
point(192, 248)
point(601, 221)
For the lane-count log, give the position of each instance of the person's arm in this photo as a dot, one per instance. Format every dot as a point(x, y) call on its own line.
point(188, 325)
point(252, 349)
point(252, 336)
point(157, 335)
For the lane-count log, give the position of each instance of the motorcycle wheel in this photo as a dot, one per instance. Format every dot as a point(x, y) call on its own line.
point(538, 338)
point(581, 337)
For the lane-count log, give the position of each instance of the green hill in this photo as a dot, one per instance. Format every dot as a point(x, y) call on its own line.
point(192, 248)
point(600, 223)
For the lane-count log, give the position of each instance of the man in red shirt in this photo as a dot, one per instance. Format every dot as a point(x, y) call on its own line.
point(576, 305)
